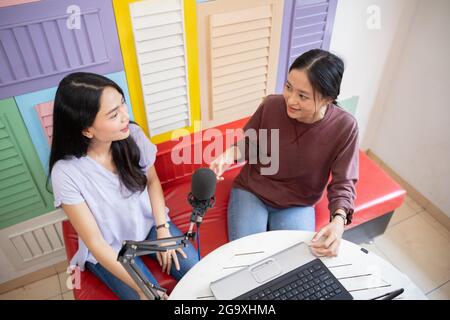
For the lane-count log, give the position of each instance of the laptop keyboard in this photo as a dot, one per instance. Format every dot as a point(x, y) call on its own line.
point(311, 281)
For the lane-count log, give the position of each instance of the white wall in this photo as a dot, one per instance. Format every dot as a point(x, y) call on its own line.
point(366, 52)
point(412, 135)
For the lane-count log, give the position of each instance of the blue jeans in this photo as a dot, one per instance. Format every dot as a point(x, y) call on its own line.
point(247, 215)
point(125, 292)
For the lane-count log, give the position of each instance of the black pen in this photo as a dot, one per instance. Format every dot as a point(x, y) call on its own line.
point(390, 295)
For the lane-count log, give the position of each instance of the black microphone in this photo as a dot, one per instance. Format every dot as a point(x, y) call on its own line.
point(202, 196)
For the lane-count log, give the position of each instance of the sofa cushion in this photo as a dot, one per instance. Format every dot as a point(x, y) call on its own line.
point(376, 194)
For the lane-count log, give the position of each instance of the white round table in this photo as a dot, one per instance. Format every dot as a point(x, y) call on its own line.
point(364, 274)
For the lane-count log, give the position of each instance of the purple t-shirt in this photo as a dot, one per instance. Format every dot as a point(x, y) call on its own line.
point(119, 215)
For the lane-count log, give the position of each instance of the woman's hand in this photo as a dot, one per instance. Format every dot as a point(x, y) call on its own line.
point(332, 234)
point(166, 258)
point(223, 162)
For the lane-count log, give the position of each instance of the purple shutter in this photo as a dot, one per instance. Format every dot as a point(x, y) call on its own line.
point(307, 24)
point(37, 48)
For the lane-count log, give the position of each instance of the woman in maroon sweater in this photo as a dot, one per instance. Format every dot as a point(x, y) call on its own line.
point(310, 138)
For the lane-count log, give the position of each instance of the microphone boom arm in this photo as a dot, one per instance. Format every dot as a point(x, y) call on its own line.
point(201, 199)
point(132, 249)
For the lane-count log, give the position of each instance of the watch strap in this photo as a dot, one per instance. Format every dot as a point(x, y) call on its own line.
point(164, 225)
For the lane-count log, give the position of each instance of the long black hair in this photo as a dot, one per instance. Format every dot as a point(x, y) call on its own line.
point(76, 105)
point(324, 71)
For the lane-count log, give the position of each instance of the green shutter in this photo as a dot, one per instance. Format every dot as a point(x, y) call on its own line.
point(22, 181)
point(350, 104)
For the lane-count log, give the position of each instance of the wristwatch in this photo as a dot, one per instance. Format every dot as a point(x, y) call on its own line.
point(164, 225)
point(341, 214)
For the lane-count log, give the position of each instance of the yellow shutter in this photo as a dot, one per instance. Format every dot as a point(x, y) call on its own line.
point(160, 57)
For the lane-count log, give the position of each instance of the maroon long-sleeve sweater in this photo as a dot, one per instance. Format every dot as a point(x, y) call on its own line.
point(308, 154)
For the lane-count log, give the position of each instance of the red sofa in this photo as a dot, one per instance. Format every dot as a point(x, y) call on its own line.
point(377, 198)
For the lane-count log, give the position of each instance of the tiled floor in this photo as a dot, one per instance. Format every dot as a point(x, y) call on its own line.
point(414, 242)
point(51, 288)
point(418, 245)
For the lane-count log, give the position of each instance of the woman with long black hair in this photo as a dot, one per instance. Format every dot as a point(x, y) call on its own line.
point(317, 140)
point(103, 176)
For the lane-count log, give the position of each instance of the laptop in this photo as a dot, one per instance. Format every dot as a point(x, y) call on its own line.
point(291, 274)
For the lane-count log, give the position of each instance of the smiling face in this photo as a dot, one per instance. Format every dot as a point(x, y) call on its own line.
point(301, 103)
point(112, 119)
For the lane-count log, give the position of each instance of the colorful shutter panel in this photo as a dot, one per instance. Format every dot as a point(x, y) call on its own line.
point(38, 48)
point(6, 3)
point(27, 105)
point(158, 29)
point(240, 44)
point(307, 24)
point(22, 180)
point(45, 114)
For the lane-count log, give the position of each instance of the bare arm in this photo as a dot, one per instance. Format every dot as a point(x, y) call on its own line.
point(155, 192)
point(156, 196)
point(84, 223)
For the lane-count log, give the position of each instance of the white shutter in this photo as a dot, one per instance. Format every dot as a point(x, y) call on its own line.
point(35, 242)
point(158, 28)
point(243, 38)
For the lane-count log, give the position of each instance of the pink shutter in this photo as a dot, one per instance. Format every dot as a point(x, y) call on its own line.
point(45, 115)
